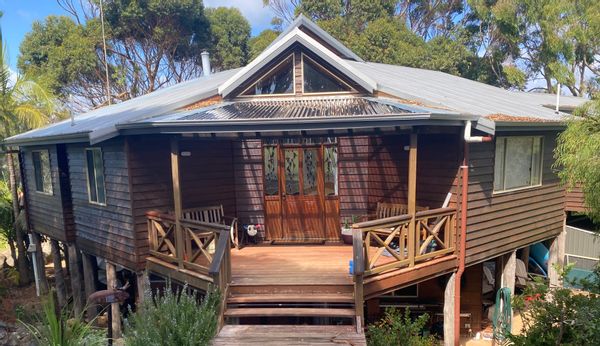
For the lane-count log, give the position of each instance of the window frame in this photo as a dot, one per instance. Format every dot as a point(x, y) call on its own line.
point(326, 71)
point(87, 176)
point(540, 168)
point(43, 192)
point(283, 61)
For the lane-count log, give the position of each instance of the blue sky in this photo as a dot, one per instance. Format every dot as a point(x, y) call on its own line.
point(19, 15)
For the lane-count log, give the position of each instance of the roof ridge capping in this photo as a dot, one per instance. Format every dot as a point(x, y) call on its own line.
point(303, 21)
point(296, 36)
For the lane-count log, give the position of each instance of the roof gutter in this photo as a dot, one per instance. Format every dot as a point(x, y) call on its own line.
point(58, 139)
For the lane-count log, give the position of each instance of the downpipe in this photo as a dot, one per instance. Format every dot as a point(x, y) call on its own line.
point(463, 223)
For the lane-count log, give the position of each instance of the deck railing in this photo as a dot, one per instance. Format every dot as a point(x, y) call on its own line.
point(205, 246)
point(387, 244)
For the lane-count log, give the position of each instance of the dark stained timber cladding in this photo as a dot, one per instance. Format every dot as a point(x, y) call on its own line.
point(104, 230)
point(353, 175)
point(438, 160)
point(248, 177)
point(149, 163)
point(45, 210)
point(502, 222)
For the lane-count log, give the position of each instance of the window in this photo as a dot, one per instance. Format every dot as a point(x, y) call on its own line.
point(330, 168)
point(280, 80)
point(318, 80)
point(95, 175)
point(271, 167)
point(41, 170)
point(518, 162)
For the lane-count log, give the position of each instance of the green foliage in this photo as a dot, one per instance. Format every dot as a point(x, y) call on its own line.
point(396, 328)
point(230, 34)
point(578, 155)
point(6, 214)
point(259, 43)
point(173, 318)
point(24, 104)
point(54, 328)
point(557, 316)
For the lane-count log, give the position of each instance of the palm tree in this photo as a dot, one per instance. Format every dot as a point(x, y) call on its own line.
point(24, 104)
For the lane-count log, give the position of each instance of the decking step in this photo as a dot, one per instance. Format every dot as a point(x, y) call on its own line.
point(267, 335)
point(237, 288)
point(291, 312)
point(290, 298)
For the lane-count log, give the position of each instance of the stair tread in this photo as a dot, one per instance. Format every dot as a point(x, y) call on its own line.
point(307, 312)
point(288, 335)
point(292, 297)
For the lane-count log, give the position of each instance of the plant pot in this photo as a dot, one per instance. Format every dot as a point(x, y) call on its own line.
point(347, 235)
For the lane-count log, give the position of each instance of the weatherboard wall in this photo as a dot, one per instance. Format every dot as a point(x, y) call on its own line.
point(49, 214)
point(501, 222)
point(107, 230)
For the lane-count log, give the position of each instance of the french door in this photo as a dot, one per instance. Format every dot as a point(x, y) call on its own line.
point(301, 201)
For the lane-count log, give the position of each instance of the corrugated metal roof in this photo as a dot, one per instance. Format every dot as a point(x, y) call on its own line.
point(99, 124)
point(439, 89)
point(296, 109)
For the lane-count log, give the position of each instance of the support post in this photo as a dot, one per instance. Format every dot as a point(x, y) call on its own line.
point(449, 293)
point(412, 198)
point(556, 256)
point(76, 278)
point(59, 276)
point(179, 244)
point(89, 279)
point(509, 271)
point(40, 263)
point(142, 284)
point(111, 282)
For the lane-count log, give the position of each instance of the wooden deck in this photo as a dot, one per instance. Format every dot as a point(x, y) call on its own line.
point(288, 335)
point(285, 264)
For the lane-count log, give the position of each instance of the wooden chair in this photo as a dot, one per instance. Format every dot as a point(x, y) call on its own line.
point(214, 214)
point(392, 209)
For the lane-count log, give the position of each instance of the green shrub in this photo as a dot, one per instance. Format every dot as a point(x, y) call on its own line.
point(396, 328)
point(557, 315)
point(62, 328)
point(173, 318)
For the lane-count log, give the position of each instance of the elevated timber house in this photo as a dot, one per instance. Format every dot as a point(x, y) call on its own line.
point(243, 179)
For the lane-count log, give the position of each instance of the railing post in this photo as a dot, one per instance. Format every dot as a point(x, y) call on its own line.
point(412, 198)
point(358, 258)
point(179, 239)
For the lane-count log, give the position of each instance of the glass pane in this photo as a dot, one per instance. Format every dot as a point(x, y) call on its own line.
point(46, 173)
point(37, 170)
point(309, 172)
point(280, 80)
point(316, 79)
point(330, 168)
point(518, 162)
point(536, 161)
point(99, 171)
point(270, 167)
point(499, 164)
point(89, 156)
point(292, 177)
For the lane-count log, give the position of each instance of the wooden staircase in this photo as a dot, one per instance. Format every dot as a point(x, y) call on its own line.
point(284, 312)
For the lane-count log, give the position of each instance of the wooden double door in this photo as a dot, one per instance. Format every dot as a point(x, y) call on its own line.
point(301, 200)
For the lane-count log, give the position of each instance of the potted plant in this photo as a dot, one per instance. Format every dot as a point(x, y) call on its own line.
point(347, 230)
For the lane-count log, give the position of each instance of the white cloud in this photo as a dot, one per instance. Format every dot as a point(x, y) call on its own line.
point(258, 15)
point(12, 76)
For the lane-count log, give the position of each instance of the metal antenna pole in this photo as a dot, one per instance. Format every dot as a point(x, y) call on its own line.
point(105, 58)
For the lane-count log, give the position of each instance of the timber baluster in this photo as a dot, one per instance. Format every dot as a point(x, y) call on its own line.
point(405, 240)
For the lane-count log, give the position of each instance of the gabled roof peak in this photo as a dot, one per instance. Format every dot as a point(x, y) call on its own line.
point(297, 36)
point(305, 24)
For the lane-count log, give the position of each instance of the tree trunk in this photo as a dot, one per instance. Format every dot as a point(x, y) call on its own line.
point(59, 277)
point(22, 262)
